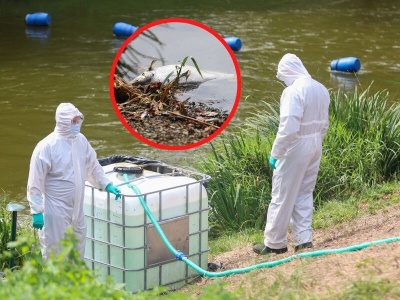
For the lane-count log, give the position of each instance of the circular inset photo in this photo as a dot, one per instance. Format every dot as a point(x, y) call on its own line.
point(175, 84)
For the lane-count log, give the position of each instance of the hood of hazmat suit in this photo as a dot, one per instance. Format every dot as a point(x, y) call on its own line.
point(64, 114)
point(291, 68)
point(59, 166)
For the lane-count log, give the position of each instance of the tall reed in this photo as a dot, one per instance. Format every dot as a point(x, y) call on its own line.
point(240, 185)
point(368, 115)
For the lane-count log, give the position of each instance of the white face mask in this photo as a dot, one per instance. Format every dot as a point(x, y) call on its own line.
point(76, 128)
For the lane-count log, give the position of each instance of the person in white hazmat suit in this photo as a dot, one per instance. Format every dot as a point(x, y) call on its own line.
point(295, 157)
point(59, 166)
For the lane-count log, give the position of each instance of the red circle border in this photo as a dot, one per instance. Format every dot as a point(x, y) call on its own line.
point(137, 33)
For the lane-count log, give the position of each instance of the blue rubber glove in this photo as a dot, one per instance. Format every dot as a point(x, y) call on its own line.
point(272, 162)
point(113, 190)
point(37, 221)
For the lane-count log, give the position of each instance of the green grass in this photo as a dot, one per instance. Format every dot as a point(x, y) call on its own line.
point(371, 285)
point(232, 240)
point(368, 114)
point(371, 289)
point(335, 212)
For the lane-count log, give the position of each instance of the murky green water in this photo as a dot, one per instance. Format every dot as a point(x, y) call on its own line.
point(71, 61)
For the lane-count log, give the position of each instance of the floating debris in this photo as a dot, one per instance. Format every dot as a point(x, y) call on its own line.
point(155, 113)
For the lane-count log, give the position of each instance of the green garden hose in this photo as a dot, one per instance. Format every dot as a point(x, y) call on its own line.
point(180, 256)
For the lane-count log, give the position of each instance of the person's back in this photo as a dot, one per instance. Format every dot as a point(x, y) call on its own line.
point(315, 100)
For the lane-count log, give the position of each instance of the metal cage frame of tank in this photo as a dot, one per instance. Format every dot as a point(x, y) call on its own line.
point(160, 262)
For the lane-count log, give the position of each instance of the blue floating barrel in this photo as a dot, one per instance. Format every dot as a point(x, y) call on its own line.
point(123, 29)
point(234, 42)
point(38, 19)
point(346, 64)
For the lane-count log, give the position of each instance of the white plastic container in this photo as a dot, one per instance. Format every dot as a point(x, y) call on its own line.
point(121, 240)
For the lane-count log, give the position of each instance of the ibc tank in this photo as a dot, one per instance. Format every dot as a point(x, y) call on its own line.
point(122, 242)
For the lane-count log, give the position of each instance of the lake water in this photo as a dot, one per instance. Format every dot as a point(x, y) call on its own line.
point(71, 60)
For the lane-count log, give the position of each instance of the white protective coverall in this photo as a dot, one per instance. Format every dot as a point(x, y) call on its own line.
point(304, 120)
point(59, 166)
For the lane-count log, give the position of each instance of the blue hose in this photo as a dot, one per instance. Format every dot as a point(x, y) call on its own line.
point(180, 256)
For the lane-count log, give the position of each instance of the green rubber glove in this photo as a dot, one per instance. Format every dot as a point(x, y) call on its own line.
point(272, 162)
point(113, 190)
point(38, 221)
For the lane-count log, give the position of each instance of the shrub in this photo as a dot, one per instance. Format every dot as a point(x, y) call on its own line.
point(5, 234)
point(63, 276)
point(66, 276)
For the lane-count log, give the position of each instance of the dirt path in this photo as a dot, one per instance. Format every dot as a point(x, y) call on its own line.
point(325, 274)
